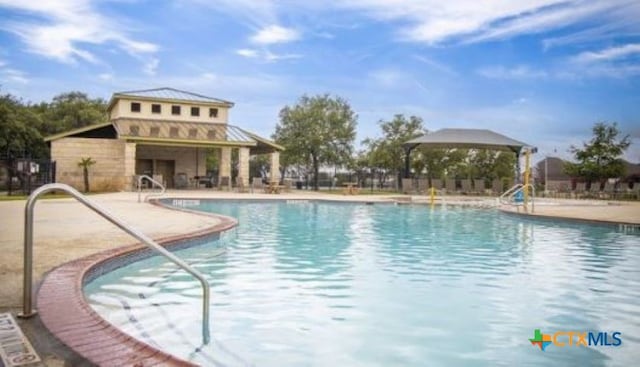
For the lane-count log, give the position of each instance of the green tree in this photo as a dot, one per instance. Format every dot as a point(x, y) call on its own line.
point(317, 130)
point(18, 137)
point(437, 161)
point(388, 151)
point(85, 163)
point(490, 164)
point(69, 111)
point(600, 158)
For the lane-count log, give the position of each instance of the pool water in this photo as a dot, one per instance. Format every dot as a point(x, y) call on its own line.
point(330, 284)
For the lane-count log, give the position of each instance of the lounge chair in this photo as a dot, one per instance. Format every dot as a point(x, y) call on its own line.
point(580, 191)
point(609, 190)
point(423, 185)
point(466, 186)
point(407, 186)
point(450, 186)
point(496, 187)
point(257, 185)
point(436, 183)
point(594, 189)
point(479, 186)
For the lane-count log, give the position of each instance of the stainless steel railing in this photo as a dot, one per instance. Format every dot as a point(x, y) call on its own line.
point(154, 182)
point(27, 309)
point(506, 197)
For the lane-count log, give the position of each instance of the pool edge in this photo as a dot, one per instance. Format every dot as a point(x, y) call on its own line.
point(64, 311)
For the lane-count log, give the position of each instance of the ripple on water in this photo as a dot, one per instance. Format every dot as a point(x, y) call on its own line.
point(341, 284)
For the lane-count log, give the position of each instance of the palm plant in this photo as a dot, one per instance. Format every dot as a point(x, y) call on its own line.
point(85, 163)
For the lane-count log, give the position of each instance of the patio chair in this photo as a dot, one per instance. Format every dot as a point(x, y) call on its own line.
point(436, 183)
point(581, 189)
point(450, 186)
point(594, 189)
point(288, 184)
point(479, 186)
point(407, 186)
point(466, 186)
point(609, 190)
point(225, 183)
point(257, 185)
point(497, 187)
point(423, 185)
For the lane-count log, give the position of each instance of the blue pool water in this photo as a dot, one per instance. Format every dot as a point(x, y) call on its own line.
point(306, 284)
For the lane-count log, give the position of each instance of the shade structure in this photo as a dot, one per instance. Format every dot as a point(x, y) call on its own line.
point(467, 139)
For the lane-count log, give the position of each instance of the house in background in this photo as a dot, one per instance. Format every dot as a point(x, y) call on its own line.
point(163, 132)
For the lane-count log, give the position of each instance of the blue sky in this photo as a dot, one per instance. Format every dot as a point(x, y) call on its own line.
point(541, 71)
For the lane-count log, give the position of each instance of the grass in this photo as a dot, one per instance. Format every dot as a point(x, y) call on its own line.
point(45, 196)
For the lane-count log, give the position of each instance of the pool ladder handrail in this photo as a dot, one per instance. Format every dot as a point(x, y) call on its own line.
point(29, 311)
point(507, 196)
point(154, 182)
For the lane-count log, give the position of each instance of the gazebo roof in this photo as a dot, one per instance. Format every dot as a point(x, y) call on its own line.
point(467, 139)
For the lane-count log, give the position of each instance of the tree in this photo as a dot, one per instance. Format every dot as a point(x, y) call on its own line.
point(389, 153)
point(317, 130)
point(85, 163)
point(69, 111)
point(18, 137)
point(600, 158)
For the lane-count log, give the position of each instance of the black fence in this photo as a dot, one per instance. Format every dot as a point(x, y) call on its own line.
point(20, 176)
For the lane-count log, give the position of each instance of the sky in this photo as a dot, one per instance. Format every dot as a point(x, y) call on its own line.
point(540, 71)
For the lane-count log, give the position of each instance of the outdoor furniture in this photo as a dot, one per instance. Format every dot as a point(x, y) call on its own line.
point(497, 187)
point(288, 184)
point(479, 186)
point(225, 183)
point(423, 185)
point(466, 186)
point(594, 189)
point(609, 190)
point(450, 185)
point(350, 188)
point(580, 191)
point(436, 183)
point(407, 185)
point(257, 185)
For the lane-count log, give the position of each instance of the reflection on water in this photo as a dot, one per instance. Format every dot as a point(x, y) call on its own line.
point(360, 285)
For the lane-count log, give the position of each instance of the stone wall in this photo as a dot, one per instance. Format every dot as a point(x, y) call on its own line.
point(107, 174)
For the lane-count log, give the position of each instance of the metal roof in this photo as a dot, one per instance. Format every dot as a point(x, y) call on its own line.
point(162, 132)
point(468, 139)
point(171, 94)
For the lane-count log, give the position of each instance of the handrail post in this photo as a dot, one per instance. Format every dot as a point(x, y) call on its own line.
point(27, 306)
point(154, 182)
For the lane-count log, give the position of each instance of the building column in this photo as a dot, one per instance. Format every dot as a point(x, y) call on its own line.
point(243, 166)
point(129, 166)
point(224, 171)
point(275, 166)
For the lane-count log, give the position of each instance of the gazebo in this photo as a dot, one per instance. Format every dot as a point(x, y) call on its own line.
point(465, 139)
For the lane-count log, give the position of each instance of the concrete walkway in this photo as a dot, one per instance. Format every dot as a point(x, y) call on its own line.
point(66, 230)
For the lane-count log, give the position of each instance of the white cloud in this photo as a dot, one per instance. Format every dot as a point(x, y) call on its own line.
point(518, 72)
point(106, 76)
point(247, 52)
point(151, 67)
point(270, 56)
point(14, 75)
point(275, 34)
point(609, 54)
point(57, 29)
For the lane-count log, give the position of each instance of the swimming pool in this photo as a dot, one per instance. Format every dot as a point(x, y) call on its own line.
point(327, 284)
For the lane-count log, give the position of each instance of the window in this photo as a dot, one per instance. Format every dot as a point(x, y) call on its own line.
point(156, 108)
point(135, 107)
point(211, 135)
point(175, 110)
point(213, 112)
point(155, 131)
point(193, 133)
point(134, 130)
point(195, 111)
point(173, 132)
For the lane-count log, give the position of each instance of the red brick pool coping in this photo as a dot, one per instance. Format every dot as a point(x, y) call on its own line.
point(63, 309)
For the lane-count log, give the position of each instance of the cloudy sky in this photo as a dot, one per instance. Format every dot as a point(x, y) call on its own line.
point(541, 71)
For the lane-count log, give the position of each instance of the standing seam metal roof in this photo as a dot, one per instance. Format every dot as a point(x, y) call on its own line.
point(171, 93)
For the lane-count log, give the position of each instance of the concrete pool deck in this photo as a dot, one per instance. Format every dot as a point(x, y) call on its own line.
point(65, 231)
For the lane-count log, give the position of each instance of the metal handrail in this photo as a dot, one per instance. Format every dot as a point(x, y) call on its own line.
point(154, 182)
point(515, 189)
point(28, 311)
